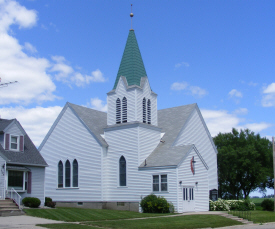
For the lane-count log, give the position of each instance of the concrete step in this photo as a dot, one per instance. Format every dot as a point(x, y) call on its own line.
point(4, 213)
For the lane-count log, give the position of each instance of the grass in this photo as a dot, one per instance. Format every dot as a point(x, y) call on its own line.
point(66, 226)
point(257, 202)
point(81, 214)
point(262, 216)
point(178, 222)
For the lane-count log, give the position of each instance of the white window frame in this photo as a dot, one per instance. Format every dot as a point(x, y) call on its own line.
point(18, 142)
point(159, 176)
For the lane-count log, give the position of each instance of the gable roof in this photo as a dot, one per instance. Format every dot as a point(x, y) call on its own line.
point(95, 120)
point(131, 65)
point(30, 156)
point(171, 121)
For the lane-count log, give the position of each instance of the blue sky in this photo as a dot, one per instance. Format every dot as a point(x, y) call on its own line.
point(219, 54)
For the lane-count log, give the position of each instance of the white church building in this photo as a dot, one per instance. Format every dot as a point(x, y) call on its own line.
point(111, 160)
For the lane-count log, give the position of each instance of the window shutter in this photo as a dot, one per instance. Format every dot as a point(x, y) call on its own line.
point(21, 146)
point(29, 190)
point(7, 143)
point(124, 109)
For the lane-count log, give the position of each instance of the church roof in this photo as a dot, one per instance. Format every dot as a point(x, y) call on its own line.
point(131, 65)
point(171, 121)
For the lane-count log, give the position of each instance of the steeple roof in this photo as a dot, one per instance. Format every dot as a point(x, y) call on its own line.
point(131, 65)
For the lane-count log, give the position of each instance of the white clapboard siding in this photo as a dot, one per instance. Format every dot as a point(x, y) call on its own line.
point(148, 141)
point(2, 178)
point(68, 141)
point(201, 194)
point(14, 130)
point(194, 132)
point(147, 94)
point(37, 187)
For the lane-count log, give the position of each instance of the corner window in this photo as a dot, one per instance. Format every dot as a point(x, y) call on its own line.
point(14, 143)
point(122, 171)
point(160, 183)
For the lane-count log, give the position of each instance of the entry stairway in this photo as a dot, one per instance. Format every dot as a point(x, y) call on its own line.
point(9, 208)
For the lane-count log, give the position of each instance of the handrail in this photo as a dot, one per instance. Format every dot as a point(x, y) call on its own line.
point(15, 197)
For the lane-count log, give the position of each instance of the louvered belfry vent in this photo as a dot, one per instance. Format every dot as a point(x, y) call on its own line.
point(118, 111)
point(124, 109)
point(149, 111)
point(144, 110)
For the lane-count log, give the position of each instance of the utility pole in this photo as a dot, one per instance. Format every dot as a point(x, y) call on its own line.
point(6, 84)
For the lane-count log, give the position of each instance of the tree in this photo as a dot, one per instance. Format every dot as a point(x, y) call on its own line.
point(245, 163)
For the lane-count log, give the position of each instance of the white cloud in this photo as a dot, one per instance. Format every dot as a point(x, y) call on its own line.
point(268, 99)
point(179, 86)
point(185, 64)
point(235, 93)
point(36, 121)
point(98, 104)
point(269, 89)
point(241, 111)
point(253, 84)
point(192, 90)
point(222, 121)
point(30, 47)
point(65, 73)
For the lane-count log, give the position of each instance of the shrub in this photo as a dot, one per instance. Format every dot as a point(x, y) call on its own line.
point(229, 205)
point(268, 205)
point(47, 200)
point(155, 204)
point(51, 204)
point(31, 202)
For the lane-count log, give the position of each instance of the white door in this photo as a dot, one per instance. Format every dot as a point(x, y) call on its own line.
point(188, 199)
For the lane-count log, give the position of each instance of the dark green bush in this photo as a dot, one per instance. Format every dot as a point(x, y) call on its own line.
point(51, 204)
point(155, 204)
point(31, 202)
point(47, 200)
point(268, 205)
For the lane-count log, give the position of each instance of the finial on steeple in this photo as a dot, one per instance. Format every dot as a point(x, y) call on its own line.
point(131, 15)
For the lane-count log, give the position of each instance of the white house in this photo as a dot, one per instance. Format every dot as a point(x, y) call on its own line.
point(22, 166)
point(112, 160)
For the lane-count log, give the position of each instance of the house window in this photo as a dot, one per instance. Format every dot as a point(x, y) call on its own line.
point(124, 109)
point(75, 173)
point(122, 171)
point(14, 143)
point(144, 110)
point(67, 174)
point(118, 111)
point(16, 179)
point(160, 183)
point(149, 111)
point(60, 174)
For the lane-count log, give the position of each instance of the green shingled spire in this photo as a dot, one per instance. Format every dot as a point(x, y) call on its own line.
point(131, 65)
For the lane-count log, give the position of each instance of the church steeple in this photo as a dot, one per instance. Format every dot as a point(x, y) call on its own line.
point(131, 65)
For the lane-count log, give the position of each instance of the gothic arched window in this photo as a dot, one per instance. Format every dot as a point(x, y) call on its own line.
point(122, 171)
point(75, 173)
point(60, 175)
point(144, 110)
point(149, 111)
point(67, 174)
point(124, 109)
point(118, 111)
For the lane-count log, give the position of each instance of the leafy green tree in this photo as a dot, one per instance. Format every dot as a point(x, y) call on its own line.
point(245, 163)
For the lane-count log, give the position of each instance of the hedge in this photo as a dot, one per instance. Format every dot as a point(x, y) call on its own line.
point(230, 205)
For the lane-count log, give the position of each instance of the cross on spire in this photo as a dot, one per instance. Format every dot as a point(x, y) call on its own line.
point(131, 15)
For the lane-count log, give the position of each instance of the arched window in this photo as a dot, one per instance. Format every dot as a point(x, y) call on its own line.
point(118, 111)
point(67, 174)
point(75, 173)
point(144, 110)
point(122, 171)
point(60, 174)
point(124, 109)
point(149, 111)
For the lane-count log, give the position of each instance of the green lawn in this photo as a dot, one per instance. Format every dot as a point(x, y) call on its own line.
point(178, 222)
point(81, 214)
point(257, 202)
point(262, 216)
